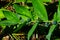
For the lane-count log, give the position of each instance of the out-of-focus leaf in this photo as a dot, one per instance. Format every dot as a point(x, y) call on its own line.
point(20, 26)
point(50, 32)
point(24, 18)
point(11, 16)
point(17, 1)
point(1, 14)
point(7, 23)
point(59, 4)
point(29, 1)
point(3, 27)
point(57, 39)
point(32, 30)
point(55, 17)
point(22, 11)
point(58, 15)
point(46, 0)
point(35, 16)
point(40, 9)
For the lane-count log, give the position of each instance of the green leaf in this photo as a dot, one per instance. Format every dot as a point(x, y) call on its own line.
point(18, 1)
point(46, 0)
point(58, 15)
point(50, 31)
point(7, 23)
point(29, 1)
point(20, 26)
point(24, 18)
point(11, 16)
point(3, 27)
point(55, 17)
point(32, 30)
point(40, 9)
point(23, 11)
point(1, 14)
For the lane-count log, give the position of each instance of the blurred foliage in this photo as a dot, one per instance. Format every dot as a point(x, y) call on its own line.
point(17, 14)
